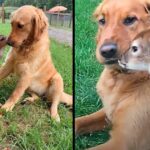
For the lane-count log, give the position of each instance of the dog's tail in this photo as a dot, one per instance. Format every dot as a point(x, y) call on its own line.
point(67, 99)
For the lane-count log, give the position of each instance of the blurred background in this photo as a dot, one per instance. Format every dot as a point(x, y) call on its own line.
point(59, 12)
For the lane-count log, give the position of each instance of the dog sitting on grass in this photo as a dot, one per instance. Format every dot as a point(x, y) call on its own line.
point(30, 59)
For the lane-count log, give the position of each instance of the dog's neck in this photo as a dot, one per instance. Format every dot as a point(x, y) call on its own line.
point(133, 76)
point(26, 48)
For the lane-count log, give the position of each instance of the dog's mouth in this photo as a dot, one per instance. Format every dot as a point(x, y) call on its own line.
point(122, 64)
point(18, 45)
point(111, 61)
point(119, 64)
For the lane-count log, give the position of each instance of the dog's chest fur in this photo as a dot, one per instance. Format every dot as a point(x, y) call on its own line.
point(118, 90)
point(126, 100)
point(39, 67)
point(108, 91)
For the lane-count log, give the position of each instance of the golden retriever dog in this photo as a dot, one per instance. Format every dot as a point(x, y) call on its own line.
point(3, 42)
point(30, 59)
point(125, 96)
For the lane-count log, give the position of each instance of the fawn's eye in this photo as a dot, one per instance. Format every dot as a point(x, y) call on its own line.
point(134, 49)
point(102, 21)
point(129, 21)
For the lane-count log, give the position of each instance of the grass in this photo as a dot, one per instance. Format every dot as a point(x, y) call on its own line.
point(87, 70)
point(29, 127)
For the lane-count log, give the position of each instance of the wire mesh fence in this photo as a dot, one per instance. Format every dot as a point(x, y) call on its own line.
point(60, 19)
point(63, 20)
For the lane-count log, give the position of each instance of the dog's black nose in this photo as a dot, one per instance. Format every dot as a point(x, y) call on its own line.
point(108, 50)
point(10, 43)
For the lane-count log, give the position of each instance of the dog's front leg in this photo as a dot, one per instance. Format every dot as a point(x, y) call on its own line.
point(90, 123)
point(112, 144)
point(6, 69)
point(22, 85)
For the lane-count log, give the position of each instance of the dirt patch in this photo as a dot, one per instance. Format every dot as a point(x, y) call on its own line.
point(61, 35)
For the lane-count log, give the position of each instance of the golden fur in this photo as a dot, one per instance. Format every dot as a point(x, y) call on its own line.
point(126, 97)
point(31, 61)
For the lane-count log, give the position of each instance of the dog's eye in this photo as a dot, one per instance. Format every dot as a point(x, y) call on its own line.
point(20, 26)
point(102, 21)
point(129, 20)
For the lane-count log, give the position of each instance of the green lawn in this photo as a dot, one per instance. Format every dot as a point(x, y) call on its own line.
point(29, 127)
point(88, 70)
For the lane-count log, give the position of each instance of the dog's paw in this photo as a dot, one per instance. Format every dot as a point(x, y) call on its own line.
point(56, 118)
point(8, 106)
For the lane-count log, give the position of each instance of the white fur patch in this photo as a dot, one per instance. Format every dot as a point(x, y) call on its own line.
point(141, 66)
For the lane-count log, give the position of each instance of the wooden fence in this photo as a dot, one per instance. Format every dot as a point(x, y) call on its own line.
point(60, 19)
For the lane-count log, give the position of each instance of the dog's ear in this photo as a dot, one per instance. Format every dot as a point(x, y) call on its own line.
point(40, 23)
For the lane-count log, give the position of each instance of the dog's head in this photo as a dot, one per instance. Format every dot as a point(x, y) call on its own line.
point(28, 24)
point(119, 22)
